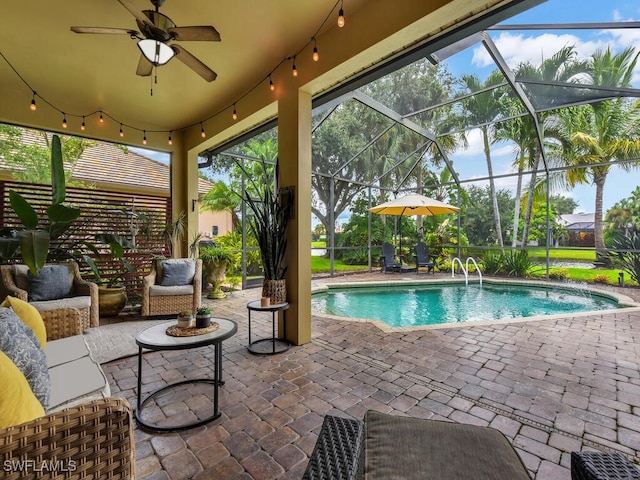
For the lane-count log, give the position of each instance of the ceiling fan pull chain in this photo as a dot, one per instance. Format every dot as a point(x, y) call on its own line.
point(152, 83)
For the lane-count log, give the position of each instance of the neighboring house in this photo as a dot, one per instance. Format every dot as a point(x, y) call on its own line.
point(109, 167)
point(581, 227)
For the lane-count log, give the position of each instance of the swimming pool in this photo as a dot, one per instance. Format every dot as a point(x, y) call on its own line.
point(419, 305)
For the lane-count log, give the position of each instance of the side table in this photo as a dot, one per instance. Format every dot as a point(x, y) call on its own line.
point(269, 346)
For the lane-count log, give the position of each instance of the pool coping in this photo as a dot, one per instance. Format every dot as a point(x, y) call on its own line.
point(628, 304)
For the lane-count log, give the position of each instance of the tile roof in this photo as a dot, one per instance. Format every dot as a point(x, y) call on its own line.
point(115, 167)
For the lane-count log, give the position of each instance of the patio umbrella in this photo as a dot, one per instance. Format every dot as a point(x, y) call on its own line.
point(413, 204)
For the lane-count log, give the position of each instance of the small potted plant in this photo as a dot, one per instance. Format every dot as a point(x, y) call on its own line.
point(203, 317)
point(184, 318)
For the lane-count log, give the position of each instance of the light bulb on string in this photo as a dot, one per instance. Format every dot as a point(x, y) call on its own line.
point(101, 118)
point(64, 120)
point(202, 132)
point(294, 70)
point(316, 55)
point(33, 105)
point(144, 137)
point(235, 113)
point(341, 16)
point(83, 125)
point(169, 140)
point(121, 132)
point(272, 87)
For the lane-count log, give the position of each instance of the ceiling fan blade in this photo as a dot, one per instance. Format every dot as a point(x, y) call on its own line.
point(198, 33)
point(194, 64)
point(135, 11)
point(145, 67)
point(107, 30)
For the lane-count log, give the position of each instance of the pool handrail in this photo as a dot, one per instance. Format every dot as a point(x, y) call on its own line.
point(453, 266)
point(464, 269)
point(476, 265)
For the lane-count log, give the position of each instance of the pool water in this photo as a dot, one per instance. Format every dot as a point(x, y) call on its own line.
point(406, 306)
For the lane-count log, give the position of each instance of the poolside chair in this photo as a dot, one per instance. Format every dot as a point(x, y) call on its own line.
point(423, 259)
point(388, 259)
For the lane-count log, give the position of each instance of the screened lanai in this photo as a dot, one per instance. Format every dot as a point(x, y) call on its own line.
point(515, 139)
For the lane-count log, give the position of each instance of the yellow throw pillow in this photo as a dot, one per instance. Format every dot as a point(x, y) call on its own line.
point(18, 404)
point(29, 315)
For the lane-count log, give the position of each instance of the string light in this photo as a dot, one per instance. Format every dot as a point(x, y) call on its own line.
point(341, 15)
point(294, 71)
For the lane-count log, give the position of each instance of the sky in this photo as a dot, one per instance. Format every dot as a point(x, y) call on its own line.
point(532, 46)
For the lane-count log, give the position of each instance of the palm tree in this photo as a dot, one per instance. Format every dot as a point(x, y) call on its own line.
point(606, 132)
point(480, 109)
point(563, 66)
point(522, 132)
point(220, 198)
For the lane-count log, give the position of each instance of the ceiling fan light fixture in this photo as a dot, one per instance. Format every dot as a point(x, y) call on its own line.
point(158, 53)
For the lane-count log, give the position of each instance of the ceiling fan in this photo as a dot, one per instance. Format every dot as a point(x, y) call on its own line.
point(156, 31)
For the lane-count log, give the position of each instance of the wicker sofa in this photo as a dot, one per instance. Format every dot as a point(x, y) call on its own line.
point(56, 410)
point(92, 440)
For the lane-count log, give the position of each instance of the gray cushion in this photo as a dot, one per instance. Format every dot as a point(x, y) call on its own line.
point(412, 448)
point(76, 382)
point(176, 273)
point(20, 344)
point(158, 290)
point(161, 265)
point(71, 302)
point(53, 282)
point(65, 350)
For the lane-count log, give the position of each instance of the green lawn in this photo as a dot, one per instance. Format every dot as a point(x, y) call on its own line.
point(589, 275)
point(588, 255)
point(321, 264)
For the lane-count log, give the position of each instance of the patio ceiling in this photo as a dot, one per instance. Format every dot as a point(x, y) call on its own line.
point(86, 74)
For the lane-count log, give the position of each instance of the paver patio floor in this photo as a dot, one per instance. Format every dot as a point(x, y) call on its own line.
point(551, 386)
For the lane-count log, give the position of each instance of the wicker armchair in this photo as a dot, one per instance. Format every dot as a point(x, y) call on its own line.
point(60, 317)
point(92, 440)
point(158, 299)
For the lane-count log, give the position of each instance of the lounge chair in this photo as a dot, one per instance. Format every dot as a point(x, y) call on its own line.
point(388, 259)
point(388, 446)
point(423, 259)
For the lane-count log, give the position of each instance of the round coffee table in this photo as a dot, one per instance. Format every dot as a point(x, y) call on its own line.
point(155, 338)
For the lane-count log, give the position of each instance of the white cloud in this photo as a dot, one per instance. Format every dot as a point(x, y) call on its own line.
point(521, 48)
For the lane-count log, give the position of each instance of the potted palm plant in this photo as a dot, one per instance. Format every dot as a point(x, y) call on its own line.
point(215, 260)
point(268, 223)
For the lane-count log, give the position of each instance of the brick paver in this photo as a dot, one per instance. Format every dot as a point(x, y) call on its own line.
point(551, 386)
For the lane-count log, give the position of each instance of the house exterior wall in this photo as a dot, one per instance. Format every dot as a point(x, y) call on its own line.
point(208, 220)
